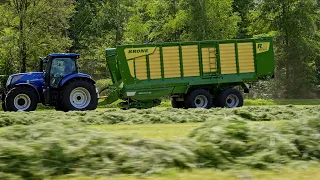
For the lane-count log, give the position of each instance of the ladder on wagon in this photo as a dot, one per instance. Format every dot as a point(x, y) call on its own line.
point(212, 62)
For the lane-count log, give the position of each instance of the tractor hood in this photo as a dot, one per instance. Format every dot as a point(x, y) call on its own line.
point(34, 78)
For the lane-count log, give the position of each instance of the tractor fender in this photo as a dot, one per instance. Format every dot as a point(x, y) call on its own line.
point(30, 86)
point(70, 77)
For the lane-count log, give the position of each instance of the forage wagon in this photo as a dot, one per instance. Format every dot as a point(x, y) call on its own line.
point(194, 74)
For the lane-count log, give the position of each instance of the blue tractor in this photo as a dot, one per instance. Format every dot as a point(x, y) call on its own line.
point(58, 84)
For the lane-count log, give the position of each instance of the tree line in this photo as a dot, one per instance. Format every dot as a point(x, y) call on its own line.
point(30, 29)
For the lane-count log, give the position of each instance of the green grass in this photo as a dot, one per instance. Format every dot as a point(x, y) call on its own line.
point(158, 138)
point(150, 131)
point(247, 102)
point(310, 173)
point(161, 131)
point(263, 102)
point(267, 102)
point(159, 115)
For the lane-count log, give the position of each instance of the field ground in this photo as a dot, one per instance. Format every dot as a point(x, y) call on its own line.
point(150, 131)
point(160, 131)
point(247, 102)
point(175, 131)
point(312, 173)
point(164, 124)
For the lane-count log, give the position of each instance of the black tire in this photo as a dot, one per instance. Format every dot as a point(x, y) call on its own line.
point(198, 98)
point(177, 104)
point(24, 92)
point(58, 107)
point(229, 98)
point(4, 108)
point(86, 87)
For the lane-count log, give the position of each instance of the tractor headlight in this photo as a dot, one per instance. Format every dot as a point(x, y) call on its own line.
point(9, 81)
point(13, 79)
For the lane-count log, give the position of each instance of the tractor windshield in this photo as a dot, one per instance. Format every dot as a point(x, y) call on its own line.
point(60, 68)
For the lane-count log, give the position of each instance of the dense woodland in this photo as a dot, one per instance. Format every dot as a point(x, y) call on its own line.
point(30, 29)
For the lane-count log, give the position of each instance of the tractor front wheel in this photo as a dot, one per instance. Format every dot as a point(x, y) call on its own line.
point(21, 99)
point(79, 95)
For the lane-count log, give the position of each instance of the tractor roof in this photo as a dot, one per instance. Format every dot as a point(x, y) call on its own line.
point(71, 55)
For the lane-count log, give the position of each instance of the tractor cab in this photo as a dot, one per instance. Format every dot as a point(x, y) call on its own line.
point(58, 84)
point(57, 66)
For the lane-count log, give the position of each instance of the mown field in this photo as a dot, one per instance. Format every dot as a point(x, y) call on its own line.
point(254, 142)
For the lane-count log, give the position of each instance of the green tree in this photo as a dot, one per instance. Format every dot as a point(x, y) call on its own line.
point(181, 20)
point(294, 23)
point(209, 19)
point(96, 25)
point(243, 8)
point(33, 28)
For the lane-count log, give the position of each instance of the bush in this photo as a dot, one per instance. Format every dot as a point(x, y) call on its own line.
point(101, 83)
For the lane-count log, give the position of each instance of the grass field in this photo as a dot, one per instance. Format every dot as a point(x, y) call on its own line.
point(161, 131)
point(150, 131)
point(162, 143)
point(176, 131)
point(311, 173)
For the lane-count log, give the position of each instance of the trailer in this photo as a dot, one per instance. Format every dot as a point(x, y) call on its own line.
point(193, 74)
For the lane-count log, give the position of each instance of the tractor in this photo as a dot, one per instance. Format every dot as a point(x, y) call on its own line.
point(58, 83)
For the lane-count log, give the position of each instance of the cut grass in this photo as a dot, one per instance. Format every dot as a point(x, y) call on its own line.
point(70, 148)
point(150, 131)
point(267, 102)
point(311, 173)
point(161, 131)
point(159, 115)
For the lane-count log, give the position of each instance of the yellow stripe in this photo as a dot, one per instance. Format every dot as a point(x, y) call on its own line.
point(155, 65)
point(190, 58)
point(228, 59)
point(246, 57)
point(131, 67)
point(171, 62)
point(141, 68)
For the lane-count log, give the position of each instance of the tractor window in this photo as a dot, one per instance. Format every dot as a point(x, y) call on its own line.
point(60, 68)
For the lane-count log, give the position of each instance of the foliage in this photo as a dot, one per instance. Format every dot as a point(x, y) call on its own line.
point(101, 83)
point(295, 25)
point(97, 25)
point(29, 29)
point(33, 28)
point(184, 20)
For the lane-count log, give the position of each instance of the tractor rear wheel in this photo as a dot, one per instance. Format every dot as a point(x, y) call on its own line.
point(229, 98)
point(21, 99)
point(199, 98)
point(79, 95)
